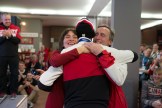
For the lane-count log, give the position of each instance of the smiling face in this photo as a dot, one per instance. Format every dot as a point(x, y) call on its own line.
point(103, 36)
point(157, 76)
point(70, 39)
point(21, 66)
point(6, 19)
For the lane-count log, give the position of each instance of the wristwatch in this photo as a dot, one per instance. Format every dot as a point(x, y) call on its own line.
point(102, 53)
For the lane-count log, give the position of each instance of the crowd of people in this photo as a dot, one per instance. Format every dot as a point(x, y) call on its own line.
point(92, 73)
point(18, 75)
point(150, 76)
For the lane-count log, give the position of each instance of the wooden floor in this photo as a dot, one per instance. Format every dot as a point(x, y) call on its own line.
point(41, 100)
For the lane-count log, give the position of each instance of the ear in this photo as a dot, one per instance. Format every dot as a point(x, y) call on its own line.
point(110, 43)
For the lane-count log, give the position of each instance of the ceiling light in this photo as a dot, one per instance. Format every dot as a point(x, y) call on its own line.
point(23, 23)
point(42, 11)
point(13, 10)
point(150, 15)
point(148, 25)
point(71, 12)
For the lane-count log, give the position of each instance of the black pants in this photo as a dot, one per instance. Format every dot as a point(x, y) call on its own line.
point(12, 62)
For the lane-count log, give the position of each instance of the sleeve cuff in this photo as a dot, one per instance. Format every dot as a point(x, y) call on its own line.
point(44, 87)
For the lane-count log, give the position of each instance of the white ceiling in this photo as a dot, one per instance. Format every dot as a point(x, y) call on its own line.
point(82, 7)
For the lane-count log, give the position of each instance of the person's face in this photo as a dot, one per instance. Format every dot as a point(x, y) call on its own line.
point(34, 58)
point(160, 53)
point(6, 19)
point(142, 48)
point(157, 77)
point(29, 76)
point(102, 36)
point(160, 63)
point(147, 52)
point(21, 66)
point(70, 39)
point(155, 47)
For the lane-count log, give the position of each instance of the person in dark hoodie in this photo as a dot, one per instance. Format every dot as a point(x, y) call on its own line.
point(9, 40)
point(152, 91)
point(90, 70)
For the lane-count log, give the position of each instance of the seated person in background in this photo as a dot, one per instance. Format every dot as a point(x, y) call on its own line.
point(152, 91)
point(22, 72)
point(156, 63)
point(30, 89)
point(34, 64)
point(145, 63)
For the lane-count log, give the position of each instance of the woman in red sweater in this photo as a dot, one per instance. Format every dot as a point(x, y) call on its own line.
point(68, 38)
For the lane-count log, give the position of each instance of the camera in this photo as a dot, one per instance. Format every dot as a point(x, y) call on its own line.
point(34, 72)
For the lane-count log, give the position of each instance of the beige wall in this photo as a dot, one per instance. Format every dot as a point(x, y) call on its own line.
point(33, 26)
point(149, 36)
point(52, 32)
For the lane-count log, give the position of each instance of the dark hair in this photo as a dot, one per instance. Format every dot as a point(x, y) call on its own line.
point(22, 62)
point(111, 37)
point(4, 13)
point(65, 32)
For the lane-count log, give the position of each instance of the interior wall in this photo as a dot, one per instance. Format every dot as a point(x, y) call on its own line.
point(149, 36)
point(53, 32)
point(33, 26)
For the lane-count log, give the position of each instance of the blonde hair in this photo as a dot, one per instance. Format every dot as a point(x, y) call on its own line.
point(158, 70)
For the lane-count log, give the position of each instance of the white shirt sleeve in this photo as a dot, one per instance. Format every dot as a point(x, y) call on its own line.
point(49, 76)
point(118, 71)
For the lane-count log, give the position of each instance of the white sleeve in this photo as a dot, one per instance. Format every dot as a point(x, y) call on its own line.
point(117, 72)
point(121, 56)
point(49, 76)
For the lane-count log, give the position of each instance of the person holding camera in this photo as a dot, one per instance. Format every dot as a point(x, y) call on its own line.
point(22, 73)
point(29, 88)
point(33, 65)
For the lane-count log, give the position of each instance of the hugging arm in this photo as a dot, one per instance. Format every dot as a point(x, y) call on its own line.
point(113, 61)
point(47, 78)
point(58, 59)
point(117, 69)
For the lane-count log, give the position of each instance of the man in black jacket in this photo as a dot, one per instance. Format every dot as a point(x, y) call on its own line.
point(9, 40)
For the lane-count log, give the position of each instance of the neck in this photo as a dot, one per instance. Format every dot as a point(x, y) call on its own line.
point(22, 71)
point(6, 27)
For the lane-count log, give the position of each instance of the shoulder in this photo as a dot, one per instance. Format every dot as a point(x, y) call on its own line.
point(71, 48)
point(14, 26)
point(56, 51)
point(1, 26)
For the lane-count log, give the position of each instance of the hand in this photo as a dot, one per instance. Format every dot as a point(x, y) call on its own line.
point(27, 83)
point(36, 77)
point(8, 33)
point(82, 49)
point(40, 71)
point(4, 33)
point(157, 104)
point(94, 47)
point(156, 61)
